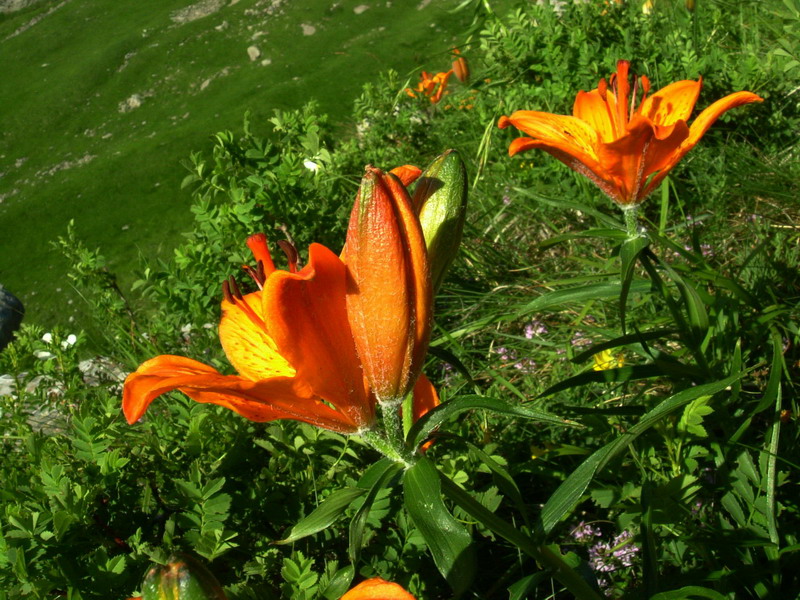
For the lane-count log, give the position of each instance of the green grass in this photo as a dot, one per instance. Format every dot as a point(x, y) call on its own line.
point(70, 71)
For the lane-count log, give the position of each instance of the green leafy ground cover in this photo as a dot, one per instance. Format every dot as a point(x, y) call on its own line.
point(675, 476)
point(69, 151)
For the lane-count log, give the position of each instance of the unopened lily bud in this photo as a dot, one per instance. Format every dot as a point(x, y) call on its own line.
point(182, 578)
point(690, 5)
point(460, 67)
point(388, 286)
point(440, 200)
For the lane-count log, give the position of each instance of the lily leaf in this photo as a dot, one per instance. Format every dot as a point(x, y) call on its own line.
point(324, 515)
point(449, 542)
point(388, 469)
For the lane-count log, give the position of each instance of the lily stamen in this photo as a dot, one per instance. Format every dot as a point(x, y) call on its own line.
point(291, 254)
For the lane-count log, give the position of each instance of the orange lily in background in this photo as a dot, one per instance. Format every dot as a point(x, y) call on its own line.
point(296, 342)
point(432, 87)
point(460, 66)
point(624, 149)
point(377, 589)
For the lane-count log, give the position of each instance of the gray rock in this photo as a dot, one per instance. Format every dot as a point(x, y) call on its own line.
point(11, 313)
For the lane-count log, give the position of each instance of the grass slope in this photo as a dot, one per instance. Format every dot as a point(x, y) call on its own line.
point(69, 151)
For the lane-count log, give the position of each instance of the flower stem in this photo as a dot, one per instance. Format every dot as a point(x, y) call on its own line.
point(393, 424)
point(631, 212)
point(381, 443)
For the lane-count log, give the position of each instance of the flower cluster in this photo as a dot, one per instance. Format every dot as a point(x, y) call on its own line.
point(434, 87)
point(325, 343)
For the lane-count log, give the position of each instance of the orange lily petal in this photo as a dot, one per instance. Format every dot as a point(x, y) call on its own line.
point(425, 397)
point(623, 159)
point(267, 400)
point(672, 104)
point(308, 321)
point(699, 127)
point(248, 346)
point(707, 118)
point(568, 134)
point(377, 589)
point(591, 108)
point(407, 174)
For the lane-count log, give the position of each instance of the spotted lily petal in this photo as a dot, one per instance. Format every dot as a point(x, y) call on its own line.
point(250, 349)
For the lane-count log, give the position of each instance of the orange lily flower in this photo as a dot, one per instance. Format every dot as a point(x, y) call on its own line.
point(377, 589)
point(296, 342)
point(624, 149)
point(432, 87)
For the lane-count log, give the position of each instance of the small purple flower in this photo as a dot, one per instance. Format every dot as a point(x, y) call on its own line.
point(584, 532)
point(605, 557)
point(533, 328)
point(505, 354)
point(706, 250)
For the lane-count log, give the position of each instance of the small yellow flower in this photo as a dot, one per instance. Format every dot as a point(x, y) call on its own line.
point(605, 360)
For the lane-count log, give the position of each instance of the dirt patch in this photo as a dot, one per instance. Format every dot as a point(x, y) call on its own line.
point(34, 20)
point(67, 164)
point(196, 11)
point(9, 6)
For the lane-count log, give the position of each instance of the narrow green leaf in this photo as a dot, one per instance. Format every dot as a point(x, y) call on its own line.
point(502, 477)
point(617, 375)
point(623, 340)
point(359, 520)
point(324, 515)
point(569, 493)
point(449, 542)
point(433, 419)
point(583, 293)
point(602, 233)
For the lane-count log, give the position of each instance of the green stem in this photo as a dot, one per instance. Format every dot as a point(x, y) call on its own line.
point(631, 212)
point(548, 559)
point(392, 423)
point(381, 443)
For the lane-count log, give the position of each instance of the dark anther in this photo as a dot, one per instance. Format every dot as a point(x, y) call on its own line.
point(226, 292)
point(291, 254)
point(234, 288)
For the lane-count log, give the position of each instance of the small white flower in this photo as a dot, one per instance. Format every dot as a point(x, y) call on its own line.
point(47, 338)
point(43, 355)
point(187, 329)
point(311, 165)
point(70, 341)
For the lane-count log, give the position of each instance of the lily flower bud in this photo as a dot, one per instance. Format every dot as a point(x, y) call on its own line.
point(182, 578)
point(460, 67)
point(388, 287)
point(440, 201)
